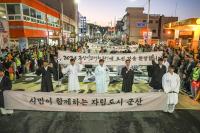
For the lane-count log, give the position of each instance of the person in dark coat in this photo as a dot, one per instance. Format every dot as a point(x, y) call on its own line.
point(158, 70)
point(128, 76)
point(46, 70)
point(188, 72)
point(5, 84)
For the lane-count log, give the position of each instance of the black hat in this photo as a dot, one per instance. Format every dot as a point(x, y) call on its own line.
point(1, 70)
point(160, 59)
point(101, 60)
point(72, 60)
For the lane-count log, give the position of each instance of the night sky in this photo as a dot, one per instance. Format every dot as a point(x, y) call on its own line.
point(104, 11)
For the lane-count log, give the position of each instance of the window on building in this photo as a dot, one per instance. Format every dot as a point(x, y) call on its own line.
point(3, 11)
point(154, 31)
point(150, 21)
point(43, 16)
point(53, 21)
point(33, 12)
point(144, 21)
point(68, 27)
point(11, 17)
point(39, 15)
point(164, 31)
point(13, 9)
point(157, 21)
point(26, 10)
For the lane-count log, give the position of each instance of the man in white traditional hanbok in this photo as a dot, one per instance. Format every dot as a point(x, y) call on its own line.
point(72, 71)
point(171, 86)
point(102, 77)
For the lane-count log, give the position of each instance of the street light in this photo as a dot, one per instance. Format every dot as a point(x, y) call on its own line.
point(62, 21)
point(169, 32)
point(77, 1)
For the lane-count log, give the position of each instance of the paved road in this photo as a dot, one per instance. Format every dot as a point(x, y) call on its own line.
point(182, 121)
point(185, 120)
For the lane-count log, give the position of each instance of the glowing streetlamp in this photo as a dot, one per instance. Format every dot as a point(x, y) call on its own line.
point(76, 1)
point(169, 32)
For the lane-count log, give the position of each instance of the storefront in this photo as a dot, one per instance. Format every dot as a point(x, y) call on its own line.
point(30, 22)
point(187, 34)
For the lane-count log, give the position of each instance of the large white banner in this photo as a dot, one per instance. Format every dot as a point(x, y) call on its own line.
point(121, 102)
point(144, 58)
point(109, 48)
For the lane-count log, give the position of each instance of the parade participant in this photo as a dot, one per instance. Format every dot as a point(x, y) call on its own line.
point(5, 84)
point(72, 70)
point(102, 50)
point(158, 70)
point(176, 61)
point(40, 58)
point(88, 67)
point(195, 80)
point(18, 65)
point(171, 86)
point(101, 77)
point(128, 77)
point(46, 70)
point(166, 63)
point(187, 73)
point(11, 72)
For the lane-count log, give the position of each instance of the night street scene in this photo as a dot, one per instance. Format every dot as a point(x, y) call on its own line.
point(99, 66)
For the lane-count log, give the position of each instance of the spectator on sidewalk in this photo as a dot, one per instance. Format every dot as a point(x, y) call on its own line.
point(5, 84)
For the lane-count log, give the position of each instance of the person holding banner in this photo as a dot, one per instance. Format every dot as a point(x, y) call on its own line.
point(102, 77)
point(158, 70)
point(128, 76)
point(171, 86)
point(46, 71)
point(72, 70)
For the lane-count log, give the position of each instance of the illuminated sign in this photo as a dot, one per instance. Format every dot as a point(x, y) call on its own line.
point(185, 33)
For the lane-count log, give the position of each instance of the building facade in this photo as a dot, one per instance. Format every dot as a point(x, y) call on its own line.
point(33, 22)
point(70, 16)
point(187, 34)
point(135, 25)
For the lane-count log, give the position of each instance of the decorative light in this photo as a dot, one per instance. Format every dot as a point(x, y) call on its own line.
point(198, 21)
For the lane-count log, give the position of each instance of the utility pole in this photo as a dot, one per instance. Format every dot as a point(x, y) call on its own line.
point(148, 19)
point(62, 22)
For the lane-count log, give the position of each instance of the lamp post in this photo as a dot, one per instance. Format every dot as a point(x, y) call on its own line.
point(62, 22)
point(77, 17)
point(148, 19)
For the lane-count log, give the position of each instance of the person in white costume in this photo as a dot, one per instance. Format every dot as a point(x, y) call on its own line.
point(102, 77)
point(72, 71)
point(166, 63)
point(171, 86)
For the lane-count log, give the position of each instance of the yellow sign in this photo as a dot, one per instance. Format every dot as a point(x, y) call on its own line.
point(186, 33)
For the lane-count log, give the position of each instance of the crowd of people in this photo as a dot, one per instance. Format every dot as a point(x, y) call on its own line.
point(43, 61)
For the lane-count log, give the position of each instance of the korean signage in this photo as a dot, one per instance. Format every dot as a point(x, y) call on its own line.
point(141, 25)
point(42, 101)
point(144, 58)
point(186, 33)
point(109, 48)
point(83, 24)
point(147, 35)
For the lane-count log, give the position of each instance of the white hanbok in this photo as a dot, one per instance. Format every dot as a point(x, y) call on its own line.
point(166, 64)
point(102, 78)
point(171, 86)
point(72, 72)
